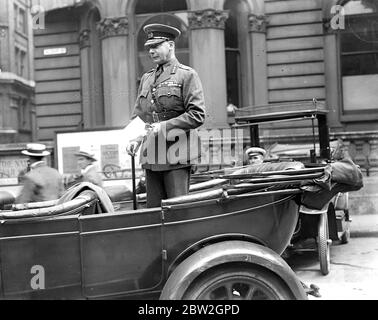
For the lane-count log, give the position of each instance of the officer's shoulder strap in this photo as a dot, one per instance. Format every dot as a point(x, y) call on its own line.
point(148, 74)
point(182, 66)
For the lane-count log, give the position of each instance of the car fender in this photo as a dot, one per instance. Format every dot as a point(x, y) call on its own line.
point(229, 252)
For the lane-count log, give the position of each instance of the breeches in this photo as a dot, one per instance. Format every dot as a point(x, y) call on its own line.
point(166, 184)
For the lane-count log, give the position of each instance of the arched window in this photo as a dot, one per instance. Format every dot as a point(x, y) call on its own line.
point(96, 86)
point(232, 54)
point(237, 52)
point(359, 56)
point(169, 12)
point(148, 6)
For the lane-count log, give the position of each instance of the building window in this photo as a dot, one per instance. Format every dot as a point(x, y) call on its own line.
point(22, 21)
point(148, 6)
point(15, 16)
point(96, 76)
point(232, 54)
point(20, 62)
point(17, 60)
point(24, 115)
point(238, 53)
point(359, 56)
point(169, 12)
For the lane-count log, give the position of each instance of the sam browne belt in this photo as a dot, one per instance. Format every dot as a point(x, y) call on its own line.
point(164, 116)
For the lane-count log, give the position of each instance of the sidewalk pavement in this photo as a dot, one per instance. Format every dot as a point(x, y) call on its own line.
point(364, 225)
point(353, 273)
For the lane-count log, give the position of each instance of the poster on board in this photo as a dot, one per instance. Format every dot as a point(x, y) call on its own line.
point(108, 147)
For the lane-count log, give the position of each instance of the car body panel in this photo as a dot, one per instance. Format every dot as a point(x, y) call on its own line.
point(121, 253)
point(52, 244)
point(130, 253)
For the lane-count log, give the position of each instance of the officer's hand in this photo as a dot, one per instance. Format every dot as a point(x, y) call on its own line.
point(156, 127)
point(132, 148)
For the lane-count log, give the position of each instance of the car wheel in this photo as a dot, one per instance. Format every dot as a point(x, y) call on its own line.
point(112, 171)
point(238, 283)
point(324, 244)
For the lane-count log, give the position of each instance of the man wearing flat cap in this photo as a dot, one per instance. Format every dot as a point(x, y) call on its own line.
point(89, 171)
point(170, 99)
point(255, 155)
point(41, 183)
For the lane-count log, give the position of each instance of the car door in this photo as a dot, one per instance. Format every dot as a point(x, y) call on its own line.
point(40, 258)
point(121, 253)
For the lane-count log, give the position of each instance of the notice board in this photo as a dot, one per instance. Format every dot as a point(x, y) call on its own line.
point(108, 147)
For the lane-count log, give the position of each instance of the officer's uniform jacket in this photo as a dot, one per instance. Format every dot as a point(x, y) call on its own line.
point(41, 183)
point(176, 100)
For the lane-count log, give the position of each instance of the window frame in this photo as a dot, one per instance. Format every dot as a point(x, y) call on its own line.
point(244, 53)
point(17, 52)
point(159, 12)
point(20, 61)
point(23, 63)
point(16, 15)
point(24, 116)
point(360, 114)
point(20, 16)
point(22, 20)
point(235, 51)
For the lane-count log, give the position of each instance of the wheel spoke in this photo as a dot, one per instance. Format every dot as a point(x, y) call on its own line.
point(250, 293)
point(233, 284)
point(230, 294)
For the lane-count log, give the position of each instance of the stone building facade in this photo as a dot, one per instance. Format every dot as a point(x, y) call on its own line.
point(17, 113)
point(89, 58)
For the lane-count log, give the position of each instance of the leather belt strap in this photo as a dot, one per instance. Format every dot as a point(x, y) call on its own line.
point(164, 116)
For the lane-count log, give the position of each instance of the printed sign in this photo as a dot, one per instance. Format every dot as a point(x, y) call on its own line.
point(54, 51)
point(110, 154)
point(11, 166)
point(112, 158)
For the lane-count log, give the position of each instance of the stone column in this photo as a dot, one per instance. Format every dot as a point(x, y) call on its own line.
point(209, 60)
point(114, 33)
point(84, 44)
point(257, 30)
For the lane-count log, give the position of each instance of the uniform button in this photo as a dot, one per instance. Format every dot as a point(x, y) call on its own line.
point(152, 101)
point(153, 90)
point(169, 94)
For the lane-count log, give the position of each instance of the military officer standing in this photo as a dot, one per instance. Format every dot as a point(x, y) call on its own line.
point(170, 99)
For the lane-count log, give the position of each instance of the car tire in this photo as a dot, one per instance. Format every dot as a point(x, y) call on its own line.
point(238, 282)
point(324, 245)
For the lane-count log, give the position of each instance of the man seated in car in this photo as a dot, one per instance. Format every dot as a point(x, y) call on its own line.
point(255, 155)
point(88, 171)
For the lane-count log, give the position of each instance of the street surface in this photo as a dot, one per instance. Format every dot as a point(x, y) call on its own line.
point(354, 266)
